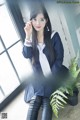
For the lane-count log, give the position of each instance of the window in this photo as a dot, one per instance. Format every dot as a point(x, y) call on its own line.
point(13, 66)
point(1, 94)
point(1, 47)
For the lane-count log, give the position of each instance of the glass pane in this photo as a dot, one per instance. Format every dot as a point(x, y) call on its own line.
point(1, 96)
point(7, 28)
point(8, 78)
point(1, 47)
point(22, 65)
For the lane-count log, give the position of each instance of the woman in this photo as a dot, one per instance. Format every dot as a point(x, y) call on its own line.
point(45, 51)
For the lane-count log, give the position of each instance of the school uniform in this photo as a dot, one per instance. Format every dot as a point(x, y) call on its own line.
point(40, 89)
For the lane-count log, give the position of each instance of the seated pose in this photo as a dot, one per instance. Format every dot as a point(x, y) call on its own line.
point(45, 50)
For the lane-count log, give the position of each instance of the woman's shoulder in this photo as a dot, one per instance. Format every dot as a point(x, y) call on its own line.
point(54, 32)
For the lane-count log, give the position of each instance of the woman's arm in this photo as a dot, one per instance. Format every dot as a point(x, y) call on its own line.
point(58, 51)
point(27, 49)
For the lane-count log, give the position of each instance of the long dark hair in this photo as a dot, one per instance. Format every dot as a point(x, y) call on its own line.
point(47, 33)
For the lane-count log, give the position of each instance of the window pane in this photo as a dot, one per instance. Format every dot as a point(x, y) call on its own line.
point(1, 96)
point(22, 65)
point(1, 47)
point(8, 78)
point(7, 28)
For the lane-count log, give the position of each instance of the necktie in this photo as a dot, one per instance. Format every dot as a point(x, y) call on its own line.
point(43, 60)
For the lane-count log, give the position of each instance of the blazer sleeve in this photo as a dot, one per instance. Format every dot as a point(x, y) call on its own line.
point(58, 51)
point(27, 51)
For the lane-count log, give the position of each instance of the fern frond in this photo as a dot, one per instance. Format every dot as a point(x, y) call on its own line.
point(78, 85)
point(74, 70)
point(61, 94)
point(64, 90)
point(57, 101)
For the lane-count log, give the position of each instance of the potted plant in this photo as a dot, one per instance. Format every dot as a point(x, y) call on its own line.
point(68, 93)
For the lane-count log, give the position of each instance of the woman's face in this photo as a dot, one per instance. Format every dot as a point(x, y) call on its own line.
point(39, 22)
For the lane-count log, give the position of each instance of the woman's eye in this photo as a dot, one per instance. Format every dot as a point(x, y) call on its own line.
point(42, 19)
point(34, 19)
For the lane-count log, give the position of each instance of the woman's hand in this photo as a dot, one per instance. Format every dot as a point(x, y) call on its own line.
point(28, 30)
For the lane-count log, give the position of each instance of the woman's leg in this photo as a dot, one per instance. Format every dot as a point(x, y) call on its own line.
point(46, 109)
point(35, 104)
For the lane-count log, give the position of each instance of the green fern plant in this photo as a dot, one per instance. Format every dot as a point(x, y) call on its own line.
point(58, 98)
point(57, 101)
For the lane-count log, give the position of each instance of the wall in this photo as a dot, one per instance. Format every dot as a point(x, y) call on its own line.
point(73, 23)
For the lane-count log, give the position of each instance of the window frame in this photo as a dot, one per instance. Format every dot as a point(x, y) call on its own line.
point(16, 15)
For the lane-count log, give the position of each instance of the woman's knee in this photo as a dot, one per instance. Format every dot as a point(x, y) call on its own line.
point(36, 102)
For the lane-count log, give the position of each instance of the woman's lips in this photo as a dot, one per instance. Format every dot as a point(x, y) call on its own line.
point(38, 26)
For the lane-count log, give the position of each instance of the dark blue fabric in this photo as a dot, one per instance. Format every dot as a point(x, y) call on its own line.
point(35, 104)
point(40, 88)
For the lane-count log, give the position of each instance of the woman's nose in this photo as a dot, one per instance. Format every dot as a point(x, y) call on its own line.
point(37, 22)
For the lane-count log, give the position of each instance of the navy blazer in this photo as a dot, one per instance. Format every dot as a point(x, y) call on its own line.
point(40, 89)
